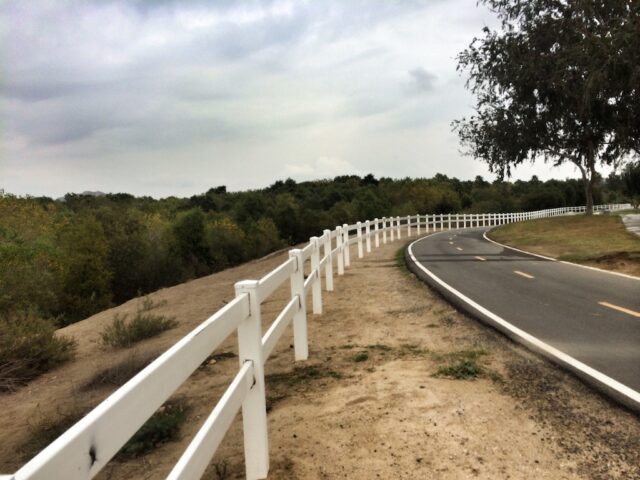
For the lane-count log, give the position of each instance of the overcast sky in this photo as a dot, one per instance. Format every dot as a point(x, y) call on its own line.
point(173, 97)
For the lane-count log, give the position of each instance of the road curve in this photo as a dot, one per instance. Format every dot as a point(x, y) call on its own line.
point(584, 319)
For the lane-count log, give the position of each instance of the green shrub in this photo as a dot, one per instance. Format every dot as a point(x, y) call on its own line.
point(162, 427)
point(28, 348)
point(360, 357)
point(118, 374)
point(45, 428)
point(121, 333)
point(461, 370)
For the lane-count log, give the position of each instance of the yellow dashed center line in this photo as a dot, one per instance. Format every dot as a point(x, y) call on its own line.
point(628, 311)
point(458, 248)
point(525, 275)
point(481, 259)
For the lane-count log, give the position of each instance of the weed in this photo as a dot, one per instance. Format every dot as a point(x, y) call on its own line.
point(45, 428)
point(400, 260)
point(162, 427)
point(380, 347)
point(461, 365)
point(147, 304)
point(409, 349)
point(221, 470)
point(448, 321)
point(119, 373)
point(121, 334)
point(29, 347)
point(461, 370)
point(360, 357)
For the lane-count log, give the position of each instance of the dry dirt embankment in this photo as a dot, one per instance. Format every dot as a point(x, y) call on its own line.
point(366, 403)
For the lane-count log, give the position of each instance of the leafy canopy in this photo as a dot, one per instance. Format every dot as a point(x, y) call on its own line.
point(560, 81)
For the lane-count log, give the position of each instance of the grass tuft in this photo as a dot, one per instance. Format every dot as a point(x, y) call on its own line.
point(461, 365)
point(360, 357)
point(45, 428)
point(162, 427)
point(461, 370)
point(29, 347)
point(121, 333)
point(118, 374)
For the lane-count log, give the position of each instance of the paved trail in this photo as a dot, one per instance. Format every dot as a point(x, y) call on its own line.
point(590, 315)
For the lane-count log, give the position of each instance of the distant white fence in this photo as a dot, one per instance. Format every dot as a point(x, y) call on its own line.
point(83, 450)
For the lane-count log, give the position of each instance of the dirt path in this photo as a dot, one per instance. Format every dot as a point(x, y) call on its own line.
point(366, 404)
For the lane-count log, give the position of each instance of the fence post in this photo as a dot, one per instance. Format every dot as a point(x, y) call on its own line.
point(391, 229)
point(359, 234)
point(408, 225)
point(345, 245)
point(367, 232)
point(376, 233)
point(418, 225)
point(384, 229)
point(328, 266)
point(300, 319)
point(426, 223)
point(316, 289)
point(254, 408)
point(398, 228)
point(340, 250)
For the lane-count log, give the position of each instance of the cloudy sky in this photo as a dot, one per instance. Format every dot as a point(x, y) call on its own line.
point(174, 97)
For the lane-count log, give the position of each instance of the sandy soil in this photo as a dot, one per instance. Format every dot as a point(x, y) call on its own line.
point(385, 416)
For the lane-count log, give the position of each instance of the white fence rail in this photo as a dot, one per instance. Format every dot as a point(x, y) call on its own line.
point(82, 451)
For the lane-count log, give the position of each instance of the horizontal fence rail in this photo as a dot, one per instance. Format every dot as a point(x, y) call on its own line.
point(83, 450)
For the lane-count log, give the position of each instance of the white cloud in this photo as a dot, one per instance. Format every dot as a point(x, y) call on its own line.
point(172, 97)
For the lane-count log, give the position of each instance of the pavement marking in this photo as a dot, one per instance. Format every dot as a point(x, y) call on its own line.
point(632, 396)
point(620, 309)
point(525, 275)
point(481, 259)
point(610, 272)
point(458, 248)
point(450, 243)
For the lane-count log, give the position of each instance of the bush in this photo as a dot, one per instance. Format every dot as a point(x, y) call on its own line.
point(162, 427)
point(45, 428)
point(122, 334)
point(28, 348)
point(118, 374)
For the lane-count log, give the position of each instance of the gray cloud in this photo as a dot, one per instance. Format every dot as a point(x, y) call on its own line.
point(421, 80)
point(169, 97)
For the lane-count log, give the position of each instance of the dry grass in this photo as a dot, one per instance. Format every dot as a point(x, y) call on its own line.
point(579, 238)
point(29, 347)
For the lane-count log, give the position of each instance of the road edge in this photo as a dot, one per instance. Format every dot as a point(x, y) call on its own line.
point(613, 389)
point(619, 274)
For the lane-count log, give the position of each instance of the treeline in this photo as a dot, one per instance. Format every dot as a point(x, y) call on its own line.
point(67, 259)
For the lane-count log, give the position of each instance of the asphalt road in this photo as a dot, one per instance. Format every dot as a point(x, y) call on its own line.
point(632, 222)
point(590, 315)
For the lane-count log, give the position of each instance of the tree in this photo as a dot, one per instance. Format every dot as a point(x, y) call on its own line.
point(631, 182)
point(560, 82)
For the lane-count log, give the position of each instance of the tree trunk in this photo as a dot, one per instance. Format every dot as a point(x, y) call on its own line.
point(588, 191)
point(588, 188)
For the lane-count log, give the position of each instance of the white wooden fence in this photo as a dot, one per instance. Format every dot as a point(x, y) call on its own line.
point(82, 451)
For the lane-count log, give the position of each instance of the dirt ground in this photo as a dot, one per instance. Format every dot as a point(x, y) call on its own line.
point(366, 404)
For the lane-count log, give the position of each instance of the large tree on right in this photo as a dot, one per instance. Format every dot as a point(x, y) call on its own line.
point(558, 82)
